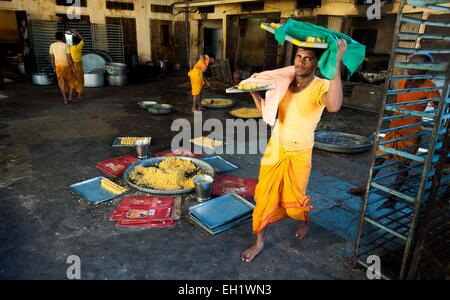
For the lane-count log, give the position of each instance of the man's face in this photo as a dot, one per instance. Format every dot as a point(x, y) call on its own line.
point(416, 59)
point(305, 62)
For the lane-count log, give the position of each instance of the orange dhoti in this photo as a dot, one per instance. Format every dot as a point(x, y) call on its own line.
point(281, 189)
point(79, 75)
point(196, 76)
point(66, 79)
point(410, 145)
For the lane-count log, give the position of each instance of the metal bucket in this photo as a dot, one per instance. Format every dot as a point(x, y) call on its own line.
point(94, 79)
point(203, 187)
point(43, 78)
point(117, 80)
point(115, 69)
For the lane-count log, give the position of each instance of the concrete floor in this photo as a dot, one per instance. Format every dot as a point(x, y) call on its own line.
point(45, 146)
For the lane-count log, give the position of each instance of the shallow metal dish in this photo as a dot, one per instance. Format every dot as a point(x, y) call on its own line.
point(160, 109)
point(146, 104)
point(341, 142)
point(152, 161)
point(209, 103)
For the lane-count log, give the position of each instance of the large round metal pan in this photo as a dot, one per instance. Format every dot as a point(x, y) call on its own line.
point(209, 103)
point(341, 142)
point(152, 161)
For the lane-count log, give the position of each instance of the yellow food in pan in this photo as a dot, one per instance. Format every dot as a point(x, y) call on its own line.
point(216, 102)
point(128, 140)
point(246, 113)
point(169, 174)
point(112, 187)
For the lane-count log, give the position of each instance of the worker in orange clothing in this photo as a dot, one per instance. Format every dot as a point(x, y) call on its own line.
point(63, 66)
point(286, 164)
point(410, 145)
point(197, 78)
point(76, 52)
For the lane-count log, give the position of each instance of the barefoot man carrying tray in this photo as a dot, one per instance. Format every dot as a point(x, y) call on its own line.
point(286, 164)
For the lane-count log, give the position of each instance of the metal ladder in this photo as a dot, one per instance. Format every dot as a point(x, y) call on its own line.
point(390, 232)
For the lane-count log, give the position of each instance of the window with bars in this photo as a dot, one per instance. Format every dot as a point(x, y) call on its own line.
point(251, 6)
point(161, 8)
point(206, 9)
point(80, 3)
point(119, 5)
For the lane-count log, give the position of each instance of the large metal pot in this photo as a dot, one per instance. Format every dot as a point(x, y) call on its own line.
point(117, 80)
point(94, 79)
point(43, 78)
point(113, 68)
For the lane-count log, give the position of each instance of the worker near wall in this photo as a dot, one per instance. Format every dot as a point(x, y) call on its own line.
point(197, 78)
point(63, 66)
point(286, 164)
point(410, 145)
point(76, 52)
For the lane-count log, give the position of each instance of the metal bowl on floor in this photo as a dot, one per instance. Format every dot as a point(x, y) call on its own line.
point(160, 109)
point(341, 142)
point(216, 103)
point(153, 161)
point(145, 104)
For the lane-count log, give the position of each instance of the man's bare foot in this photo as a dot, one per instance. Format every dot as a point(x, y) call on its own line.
point(357, 191)
point(302, 230)
point(249, 254)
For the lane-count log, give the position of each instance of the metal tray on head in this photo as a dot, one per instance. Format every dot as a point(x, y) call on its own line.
point(219, 164)
point(152, 161)
point(234, 89)
point(341, 142)
point(295, 41)
point(118, 141)
point(93, 191)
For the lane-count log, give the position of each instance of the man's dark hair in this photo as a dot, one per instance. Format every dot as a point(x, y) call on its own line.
point(210, 54)
point(76, 40)
point(317, 51)
point(59, 36)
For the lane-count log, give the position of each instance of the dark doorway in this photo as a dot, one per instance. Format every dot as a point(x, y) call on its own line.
point(212, 41)
point(129, 37)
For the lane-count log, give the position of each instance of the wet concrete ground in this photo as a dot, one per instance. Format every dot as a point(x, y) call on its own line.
point(45, 146)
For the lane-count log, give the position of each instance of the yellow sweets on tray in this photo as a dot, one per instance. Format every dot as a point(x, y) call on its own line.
point(128, 140)
point(246, 113)
point(311, 39)
point(207, 142)
point(112, 187)
point(245, 86)
point(274, 25)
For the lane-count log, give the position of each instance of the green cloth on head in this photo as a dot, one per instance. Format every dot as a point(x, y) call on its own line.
point(352, 58)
